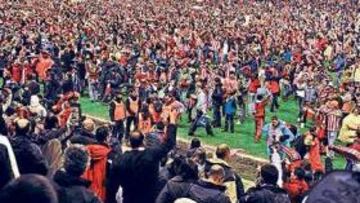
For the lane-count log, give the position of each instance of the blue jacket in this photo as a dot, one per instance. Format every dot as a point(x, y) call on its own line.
point(230, 106)
point(280, 130)
point(339, 63)
point(286, 56)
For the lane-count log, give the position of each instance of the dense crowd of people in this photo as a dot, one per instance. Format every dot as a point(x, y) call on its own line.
point(211, 63)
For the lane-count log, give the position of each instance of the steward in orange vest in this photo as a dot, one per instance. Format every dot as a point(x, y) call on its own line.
point(132, 109)
point(117, 115)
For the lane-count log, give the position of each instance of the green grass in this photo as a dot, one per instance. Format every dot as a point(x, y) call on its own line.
point(94, 108)
point(241, 139)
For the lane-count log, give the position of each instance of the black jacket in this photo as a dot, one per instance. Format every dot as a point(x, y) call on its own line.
point(175, 188)
point(48, 135)
point(165, 174)
point(266, 194)
point(34, 87)
point(137, 171)
point(218, 95)
point(230, 175)
point(52, 89)
point(28, 156)
point(206, 192)
point(74, 189)
point(83, 137)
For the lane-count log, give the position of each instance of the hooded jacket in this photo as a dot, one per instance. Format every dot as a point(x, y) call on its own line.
point(206, 192)
point(36, 107)
point(74, 189)
point(234, 186)
point(96, 173)
point(175, 188)
point(29, 156)
point(266, 194)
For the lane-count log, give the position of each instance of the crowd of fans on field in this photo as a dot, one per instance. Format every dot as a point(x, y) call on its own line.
point(159, 63)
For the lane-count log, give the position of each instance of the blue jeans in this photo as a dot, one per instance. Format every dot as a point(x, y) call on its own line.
point(229, 122)
point(287, 90)
point(331, 136)
point(92, 91)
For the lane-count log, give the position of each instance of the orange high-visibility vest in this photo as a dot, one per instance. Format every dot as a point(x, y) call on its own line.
point(134, 105)
point(120, 111)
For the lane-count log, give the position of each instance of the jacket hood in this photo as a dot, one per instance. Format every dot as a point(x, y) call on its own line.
point(219, 162)
point(63, 179)
point(272, 188)
point(98, 152)
point(34, 101)
point(210, 185)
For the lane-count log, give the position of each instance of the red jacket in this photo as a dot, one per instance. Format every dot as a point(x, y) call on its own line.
point(260, 109)
point(314, 157)
point(16, 73)
point(273, 86)
point(254, 85)
point(296, 188)
point(96, 173)
point(43, 65)
point(64, 116)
